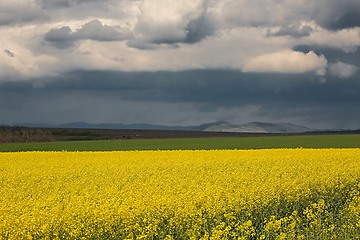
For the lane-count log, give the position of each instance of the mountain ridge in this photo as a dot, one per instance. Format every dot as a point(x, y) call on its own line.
point(260, 127)
point(219, 126)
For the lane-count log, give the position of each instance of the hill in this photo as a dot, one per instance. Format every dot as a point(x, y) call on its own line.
point(222, 126)
point(256, 127)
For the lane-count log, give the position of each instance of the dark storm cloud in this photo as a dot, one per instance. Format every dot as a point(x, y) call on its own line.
point(93, 30)
point(335, 15)
point(278, 95)
point(348, 19)
point(217, 87)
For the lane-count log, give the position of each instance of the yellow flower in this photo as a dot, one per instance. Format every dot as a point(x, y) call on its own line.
point(216, 194)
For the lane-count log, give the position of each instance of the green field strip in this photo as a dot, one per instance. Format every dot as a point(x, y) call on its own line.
point(308, 141)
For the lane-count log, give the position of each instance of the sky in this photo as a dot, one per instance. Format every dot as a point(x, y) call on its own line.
point(183, 62)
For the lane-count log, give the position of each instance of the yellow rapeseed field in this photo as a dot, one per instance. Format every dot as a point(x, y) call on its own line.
point(216, 194)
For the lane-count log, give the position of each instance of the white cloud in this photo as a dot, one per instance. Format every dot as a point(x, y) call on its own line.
point(342, 70)
point(165, 21)
point(18, 58)
point(25, 65)
point(347, 39)
point(224, 34)
point(286, 61)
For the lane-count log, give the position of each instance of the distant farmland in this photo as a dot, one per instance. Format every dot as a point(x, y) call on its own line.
point(259, 142)
point(25, 134)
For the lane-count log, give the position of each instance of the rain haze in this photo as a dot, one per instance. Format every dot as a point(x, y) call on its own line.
point(180, 62)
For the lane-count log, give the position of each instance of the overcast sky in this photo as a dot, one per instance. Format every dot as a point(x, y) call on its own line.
point(180, 62)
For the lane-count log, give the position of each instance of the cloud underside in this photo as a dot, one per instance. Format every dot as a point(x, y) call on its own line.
point(184, 98)
point(93, 30)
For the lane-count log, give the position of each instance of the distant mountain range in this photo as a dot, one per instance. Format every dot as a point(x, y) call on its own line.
point(222, 126)
point(256, 127)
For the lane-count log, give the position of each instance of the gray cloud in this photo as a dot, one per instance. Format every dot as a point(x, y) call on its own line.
point(330, 14)
point(197, 94)
point(289, 16)
point(199, 28)
point(55, 3)
point(333, 55)
point(335, 15)
point(9, 53)
point(60, 37)
point(68, 10)
point(48, 4)
point(175, 23)
point(341, 65)
point(292, 31)
point(94, 30)
point(19, 12)
point(195, 31)
point(59, 34)
point(342, 70)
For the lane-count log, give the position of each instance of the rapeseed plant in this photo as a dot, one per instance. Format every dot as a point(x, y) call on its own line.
point(216, 194)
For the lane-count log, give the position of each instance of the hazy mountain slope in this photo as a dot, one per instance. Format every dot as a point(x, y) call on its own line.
point(253, 127)
point(257, 127)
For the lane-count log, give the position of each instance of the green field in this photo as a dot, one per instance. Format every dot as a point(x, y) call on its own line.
point(308, 141)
